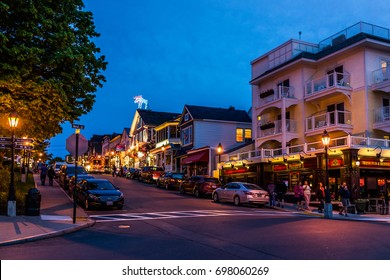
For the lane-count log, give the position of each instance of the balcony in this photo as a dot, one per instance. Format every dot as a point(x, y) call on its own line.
point(275, 127)
point(382, 119)
point(276, 95)
point(336, 120)
point(327, 85)
point(381, 80)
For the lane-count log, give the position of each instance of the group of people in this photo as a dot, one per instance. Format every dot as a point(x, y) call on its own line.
point(44, 171)
point(302, 195)
point(277, 192)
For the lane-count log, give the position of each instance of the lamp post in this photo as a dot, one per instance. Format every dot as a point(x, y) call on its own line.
point(219, 151)
point(328, 205)
point(163, 157)
point(13, 120)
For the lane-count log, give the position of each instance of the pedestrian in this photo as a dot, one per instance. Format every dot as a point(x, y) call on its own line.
point(271, 193)
point(281, 190)
point(298, 195)
point(345, 196)
point(51, 173)
point(306, 194)
point(320, 194)
point(113, 170)
point(43, 174)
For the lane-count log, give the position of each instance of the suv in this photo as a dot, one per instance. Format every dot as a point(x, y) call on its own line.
point(66, 172)
point(171, 180)
point(199, 185)
point(151, 173)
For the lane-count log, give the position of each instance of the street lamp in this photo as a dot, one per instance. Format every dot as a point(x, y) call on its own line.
point(219, 151)
point(13, 120)
point(328, 204)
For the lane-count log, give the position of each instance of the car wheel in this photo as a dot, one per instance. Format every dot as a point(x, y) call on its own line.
point(215, 197)
point(167, 186)
point(120, 207)
point(196, 193)
point(236, 200)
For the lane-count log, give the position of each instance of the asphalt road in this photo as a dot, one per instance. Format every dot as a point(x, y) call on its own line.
point(164, 225)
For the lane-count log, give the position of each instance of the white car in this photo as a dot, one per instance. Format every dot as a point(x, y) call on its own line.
point(241, 192)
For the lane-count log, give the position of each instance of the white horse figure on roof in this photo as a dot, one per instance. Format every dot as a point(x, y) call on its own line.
point(140, 100)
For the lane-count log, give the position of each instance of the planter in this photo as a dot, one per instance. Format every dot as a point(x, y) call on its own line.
point(267, 126)
point(267, 93)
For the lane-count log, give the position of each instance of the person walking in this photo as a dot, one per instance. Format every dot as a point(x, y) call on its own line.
point(298, 195)
point(320, 194)
point(43, 174)
point(306, 194)
point(51, 173)
point(271, 193)
point(281, 190)
point(345, 196)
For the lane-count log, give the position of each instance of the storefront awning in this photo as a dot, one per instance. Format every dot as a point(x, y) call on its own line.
point(197, 157)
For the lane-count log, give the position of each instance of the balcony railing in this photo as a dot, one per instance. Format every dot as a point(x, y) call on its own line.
point(275, 127)
point(328, 119)
point(279, 93)
point(381, 75)
point(382, 114)
point(332, 80)
point(311, 148)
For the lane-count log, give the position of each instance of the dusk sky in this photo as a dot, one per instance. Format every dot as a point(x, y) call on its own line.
point(198, 52)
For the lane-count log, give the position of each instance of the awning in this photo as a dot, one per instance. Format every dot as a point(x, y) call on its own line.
point(197, 157)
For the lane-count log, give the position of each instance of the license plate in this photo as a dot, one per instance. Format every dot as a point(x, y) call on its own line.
point(110, 203)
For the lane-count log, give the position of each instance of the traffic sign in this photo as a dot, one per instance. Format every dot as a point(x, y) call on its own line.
point(23, 147)
point(71, 144)
point(30, 140)
point(77, 126)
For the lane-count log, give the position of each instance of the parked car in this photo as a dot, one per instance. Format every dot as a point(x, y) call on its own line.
point(72, 182)
point(91, 193)
point(66, 172)
point(239, 192)
point(57, 168)
point(150, 174)
point(199, 185)
point(133, 173)
point(171, 180)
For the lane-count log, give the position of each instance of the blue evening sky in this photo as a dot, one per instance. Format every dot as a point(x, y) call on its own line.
point(198, 52)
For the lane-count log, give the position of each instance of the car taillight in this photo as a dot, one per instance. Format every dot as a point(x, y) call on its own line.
point(248, 193)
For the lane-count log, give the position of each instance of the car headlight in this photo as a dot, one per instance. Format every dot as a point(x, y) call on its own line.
point(93, 197)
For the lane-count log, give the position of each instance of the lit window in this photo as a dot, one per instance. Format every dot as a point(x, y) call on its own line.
point(239, 135)
point(248, 134)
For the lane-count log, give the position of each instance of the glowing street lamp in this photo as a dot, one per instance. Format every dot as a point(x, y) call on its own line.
point(13, 120)
point(328, 204)
point(219, 151)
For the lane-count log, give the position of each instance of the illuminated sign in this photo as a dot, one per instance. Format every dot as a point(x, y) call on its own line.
point(140, 101)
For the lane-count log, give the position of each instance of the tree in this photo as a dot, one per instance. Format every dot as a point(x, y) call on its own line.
point(49, 67)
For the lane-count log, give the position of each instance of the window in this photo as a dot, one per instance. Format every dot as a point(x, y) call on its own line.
point(186, 117)
point(248, 134)
point(186, 136)
point(239, 135)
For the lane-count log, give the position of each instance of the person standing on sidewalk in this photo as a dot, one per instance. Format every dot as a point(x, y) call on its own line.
point(298, 194)
point(320, 194)
point(51, 173)
point(43, 173)
point(281, 190)
point(271, 193)
point(345, 196)
point(306, 194)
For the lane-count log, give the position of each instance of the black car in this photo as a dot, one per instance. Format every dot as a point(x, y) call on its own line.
point(199, 185)
point(133, 173)
point(171, 180)
point(98, 193)
point(67, 171)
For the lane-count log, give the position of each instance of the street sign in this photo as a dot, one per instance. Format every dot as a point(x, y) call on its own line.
point(71, 144)
point(5, 146)
point(77, 126)
point(24, 140)
point(23, 147)
point(5, 139)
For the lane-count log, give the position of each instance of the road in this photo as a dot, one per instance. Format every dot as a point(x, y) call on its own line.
point(165, 225)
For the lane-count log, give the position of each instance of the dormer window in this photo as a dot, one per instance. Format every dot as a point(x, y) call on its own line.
point(186, 117)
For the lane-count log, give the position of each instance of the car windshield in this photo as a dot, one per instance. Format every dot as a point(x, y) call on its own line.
point(100, 185)
point(178, 176)
point(252, 187)
point(211, 180)
point(71, 169)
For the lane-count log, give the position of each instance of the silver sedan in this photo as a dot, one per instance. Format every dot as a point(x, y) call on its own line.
point(240, 192)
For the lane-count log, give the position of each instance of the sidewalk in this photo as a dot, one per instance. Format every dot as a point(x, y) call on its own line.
point(56, 218)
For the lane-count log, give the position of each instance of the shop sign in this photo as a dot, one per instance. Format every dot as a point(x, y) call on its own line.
point(279, 167)
point(234, 171)
point(294, 179)
point(373, 163)
point(295, 165)
point(335, 162)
